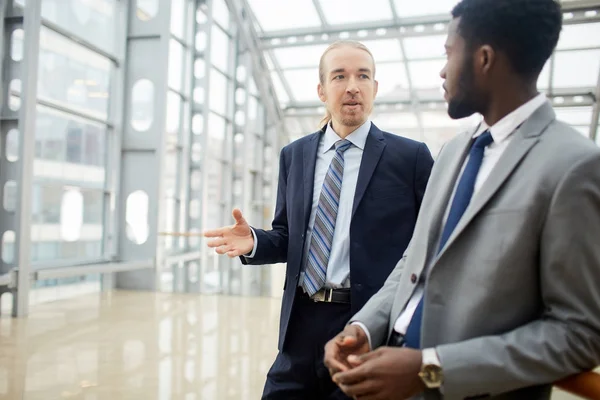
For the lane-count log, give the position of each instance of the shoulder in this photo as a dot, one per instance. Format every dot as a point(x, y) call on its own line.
point(299, 144)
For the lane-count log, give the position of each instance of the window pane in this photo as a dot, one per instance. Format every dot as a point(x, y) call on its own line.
point(175, 64)
point(575, 115)
point(274, 15)
point(579, 36)
point(69, 149)
point(392, 80)
point(221, 13)
point(352, 11)
point(426, 74)
point(216, 134)
point(303, 83)
point(218, 92)
point(424, 46)
point(279, 89)
point(576, 68)
point(93, 210)
point(220, 44)
point(384, 50)
point(300, 56)
point(71, 215)
point(72, 75)
point(410, 8)
point(178, 17)
point(92, 20)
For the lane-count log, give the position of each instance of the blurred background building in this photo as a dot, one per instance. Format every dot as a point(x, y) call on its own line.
point(123, 121)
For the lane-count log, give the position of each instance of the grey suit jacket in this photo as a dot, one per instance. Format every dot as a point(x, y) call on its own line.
point(512, 302)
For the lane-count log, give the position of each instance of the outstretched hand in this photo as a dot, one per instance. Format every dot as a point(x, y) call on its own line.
point(235, 240)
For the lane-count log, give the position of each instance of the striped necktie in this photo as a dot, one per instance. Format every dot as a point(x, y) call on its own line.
point(315, 272)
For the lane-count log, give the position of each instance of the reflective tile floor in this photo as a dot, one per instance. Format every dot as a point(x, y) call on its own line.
point(140, 345)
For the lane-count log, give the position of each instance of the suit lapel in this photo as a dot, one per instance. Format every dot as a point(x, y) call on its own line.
point(524, 138)
point(310, 160)
point(457, 152)
point(372, 153)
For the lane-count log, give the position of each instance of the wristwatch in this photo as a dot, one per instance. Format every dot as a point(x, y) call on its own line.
point(431, 369)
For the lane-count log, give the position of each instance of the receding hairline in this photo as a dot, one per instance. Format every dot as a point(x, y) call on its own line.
point(351, 45)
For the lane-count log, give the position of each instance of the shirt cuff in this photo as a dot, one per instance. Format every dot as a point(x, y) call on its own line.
point(251, 255)
point(364, 328)
point(435, 359)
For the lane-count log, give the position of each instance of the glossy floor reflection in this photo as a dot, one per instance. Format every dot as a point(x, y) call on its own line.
point(139, 345)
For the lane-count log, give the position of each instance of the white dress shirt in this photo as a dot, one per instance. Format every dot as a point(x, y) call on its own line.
point(338, 267)
point(502, 134)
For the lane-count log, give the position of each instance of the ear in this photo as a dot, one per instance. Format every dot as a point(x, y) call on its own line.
point(376, 88)
point(486, 58)
point(321, 93)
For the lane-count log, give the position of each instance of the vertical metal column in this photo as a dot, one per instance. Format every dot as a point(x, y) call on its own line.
point(143, 146)
point(18, 116)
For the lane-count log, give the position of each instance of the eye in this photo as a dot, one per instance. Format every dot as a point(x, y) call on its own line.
point(338, 77)
point(365, 76)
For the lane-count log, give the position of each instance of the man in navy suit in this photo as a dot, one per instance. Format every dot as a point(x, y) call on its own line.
point(347, 202)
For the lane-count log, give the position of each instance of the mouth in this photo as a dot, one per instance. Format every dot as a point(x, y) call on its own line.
point(352, 103)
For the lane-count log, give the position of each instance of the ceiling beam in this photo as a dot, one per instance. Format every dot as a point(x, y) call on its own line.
point(575, 12)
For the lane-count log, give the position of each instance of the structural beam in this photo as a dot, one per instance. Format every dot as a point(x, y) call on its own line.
point(141, 193)
point(21, 36)
point(263, 80)
point(595, 113)
point(560, 99)
point(575, 12)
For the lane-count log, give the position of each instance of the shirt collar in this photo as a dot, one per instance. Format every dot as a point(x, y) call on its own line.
point(502, 129)
point(358, 137)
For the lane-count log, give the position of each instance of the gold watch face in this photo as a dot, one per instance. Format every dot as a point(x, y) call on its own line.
point(432, 376)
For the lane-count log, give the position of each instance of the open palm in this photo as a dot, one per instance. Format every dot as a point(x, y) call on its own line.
point(234, 240)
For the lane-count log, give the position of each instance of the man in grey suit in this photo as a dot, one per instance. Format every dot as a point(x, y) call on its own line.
point(498, 294)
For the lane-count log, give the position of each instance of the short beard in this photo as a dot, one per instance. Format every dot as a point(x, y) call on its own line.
point(465, 103)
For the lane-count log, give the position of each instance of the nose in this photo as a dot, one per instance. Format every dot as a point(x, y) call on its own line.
point(443, 72)
point(352, 87)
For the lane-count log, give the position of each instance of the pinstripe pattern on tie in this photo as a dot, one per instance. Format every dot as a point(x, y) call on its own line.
point(322, 235)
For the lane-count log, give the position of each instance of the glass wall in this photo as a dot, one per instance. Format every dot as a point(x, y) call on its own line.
point(228, 142)
point(73, 131)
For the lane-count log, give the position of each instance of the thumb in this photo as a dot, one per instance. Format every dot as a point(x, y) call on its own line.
point(239, 218)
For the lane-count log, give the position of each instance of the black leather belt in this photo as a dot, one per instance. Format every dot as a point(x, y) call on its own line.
point(329, 296)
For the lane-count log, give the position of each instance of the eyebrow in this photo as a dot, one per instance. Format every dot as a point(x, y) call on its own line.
point(338, 70)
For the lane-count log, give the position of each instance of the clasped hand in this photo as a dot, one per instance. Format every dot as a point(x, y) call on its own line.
point(386, 373)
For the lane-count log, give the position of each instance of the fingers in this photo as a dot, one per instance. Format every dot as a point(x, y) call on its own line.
point(333, 360)
point(216, 242)
point(361, 390)
point(215, 233)
point(237, 215)
point(354, 375)
point(234, 253)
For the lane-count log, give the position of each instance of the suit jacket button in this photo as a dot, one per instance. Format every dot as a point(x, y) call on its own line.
point(413, 278)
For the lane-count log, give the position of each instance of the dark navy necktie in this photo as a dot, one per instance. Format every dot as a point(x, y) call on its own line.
point(462, 198)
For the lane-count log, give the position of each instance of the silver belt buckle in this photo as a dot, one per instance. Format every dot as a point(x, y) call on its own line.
point(323, 295)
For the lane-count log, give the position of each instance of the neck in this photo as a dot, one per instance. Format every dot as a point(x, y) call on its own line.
point(505, 101)
point(344, 130)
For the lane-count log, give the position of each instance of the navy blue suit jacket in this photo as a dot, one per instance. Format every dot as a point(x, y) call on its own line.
point(391, 182)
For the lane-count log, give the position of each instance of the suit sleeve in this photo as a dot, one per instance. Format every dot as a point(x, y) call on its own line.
point(375, 315)
point(423, 165)
point(273, 244)
point(566, 338)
